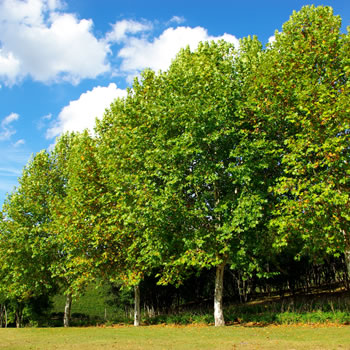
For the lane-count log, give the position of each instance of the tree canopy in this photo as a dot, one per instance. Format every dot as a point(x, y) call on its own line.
point(225, 160)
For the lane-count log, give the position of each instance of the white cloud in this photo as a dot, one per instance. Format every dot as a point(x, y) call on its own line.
point(47, 116)
point(55, 4)
point(9, 119)
point(6, 130)
point(38, 40)
point(121, 28)
point(140, 53)
point(5, 134)
point(9, 66)
point(177, 19)
point(42, 122)
point(81, 114)
point(19, 143)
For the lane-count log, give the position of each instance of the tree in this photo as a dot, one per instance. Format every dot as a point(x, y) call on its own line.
point(26, 245)
point(87, 221)
point(73, 213)
point(130, 253)
point(300, 98)
point(37, 249)
point(209, 165)
point(181, 189)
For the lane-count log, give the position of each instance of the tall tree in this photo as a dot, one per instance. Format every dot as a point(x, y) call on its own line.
point(182, 188)
point(73, 215)
point(208, 165)
point(33, 241)
point(89, 217)
point(120, 150)
point(27, 248)
point(300, 97)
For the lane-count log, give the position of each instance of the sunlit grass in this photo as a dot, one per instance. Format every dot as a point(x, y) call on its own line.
point(175, 337)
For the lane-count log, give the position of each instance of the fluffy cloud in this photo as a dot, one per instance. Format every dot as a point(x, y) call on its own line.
point(81, 114)
point(121, 29)
point(6, 130)
point(38, 40)
point(140, 53)
point(9, 66)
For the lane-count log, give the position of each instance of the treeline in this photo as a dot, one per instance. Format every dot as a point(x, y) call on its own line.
point(231, 159)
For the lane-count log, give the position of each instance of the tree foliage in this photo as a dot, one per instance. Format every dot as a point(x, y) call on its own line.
point(226, 156)
point(301, 96)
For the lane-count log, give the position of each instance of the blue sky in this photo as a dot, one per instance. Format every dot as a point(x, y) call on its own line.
point(62, 62)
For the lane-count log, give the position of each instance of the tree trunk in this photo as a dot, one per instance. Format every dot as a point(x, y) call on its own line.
point(67, 310)
point(137, 313)
point(2, 314)
point(347, 263)
point(19, 312)
point(219, 287)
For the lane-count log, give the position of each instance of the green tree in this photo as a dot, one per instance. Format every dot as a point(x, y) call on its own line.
point(26, 245)
point(36, 246)
point(74, 215)
point(183, 188)
point(300, 98)
point(129, 253)
point(88, 218)
point(216, 173)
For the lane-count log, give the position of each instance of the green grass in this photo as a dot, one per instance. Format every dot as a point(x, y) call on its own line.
point(91, 308)
point(191, 337)
point(92, 302)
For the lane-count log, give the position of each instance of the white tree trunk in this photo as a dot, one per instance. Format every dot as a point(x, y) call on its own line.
point(347, 263)
point(67, 310)
point(137, 309)
point(2, 314)
point(219, 287)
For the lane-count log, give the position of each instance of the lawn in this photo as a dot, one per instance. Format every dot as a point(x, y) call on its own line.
point(176, 337)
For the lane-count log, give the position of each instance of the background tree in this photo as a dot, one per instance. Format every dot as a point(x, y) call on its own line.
point(27, 248)
point(75, 214)
point(120, 157)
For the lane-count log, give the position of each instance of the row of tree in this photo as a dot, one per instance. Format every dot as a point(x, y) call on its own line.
point(228, 158)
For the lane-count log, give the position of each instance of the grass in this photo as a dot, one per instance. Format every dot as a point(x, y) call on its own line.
point(171, 338)
point(93, 302)
point(93, 307)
